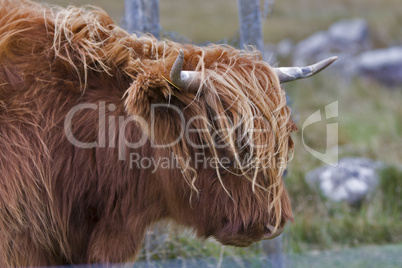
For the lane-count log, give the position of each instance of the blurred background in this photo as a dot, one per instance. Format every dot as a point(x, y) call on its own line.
point(348, 213)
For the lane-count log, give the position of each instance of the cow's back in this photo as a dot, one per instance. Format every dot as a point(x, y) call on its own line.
point(37, 89)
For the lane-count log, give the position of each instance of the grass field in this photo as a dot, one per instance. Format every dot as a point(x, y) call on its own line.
point(370, 122)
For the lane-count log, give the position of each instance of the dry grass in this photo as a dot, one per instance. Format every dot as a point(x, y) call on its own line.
point(214, 20)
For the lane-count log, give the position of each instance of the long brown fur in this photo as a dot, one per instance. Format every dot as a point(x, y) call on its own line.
point(60, 204)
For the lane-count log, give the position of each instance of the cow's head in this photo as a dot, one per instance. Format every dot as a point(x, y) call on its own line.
point(224, 116)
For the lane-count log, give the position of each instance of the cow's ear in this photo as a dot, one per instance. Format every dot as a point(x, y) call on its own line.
point(147, 88)
point(153, 89)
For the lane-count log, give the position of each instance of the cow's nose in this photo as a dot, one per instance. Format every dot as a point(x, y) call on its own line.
point(271, 233)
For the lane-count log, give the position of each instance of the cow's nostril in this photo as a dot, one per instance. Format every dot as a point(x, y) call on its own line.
point(270, 232)
point(269, 229)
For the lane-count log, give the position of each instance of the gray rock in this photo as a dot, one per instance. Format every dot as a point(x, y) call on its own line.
point(383, 65)
point(349, 35)
point(351, 181)
point(284, 48)
point(311, 48)
point(344, 38)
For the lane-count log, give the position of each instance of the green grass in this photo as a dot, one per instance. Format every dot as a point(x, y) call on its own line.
point(179, 243)
point(390, 194)
point(365, 257)
point(368, 116)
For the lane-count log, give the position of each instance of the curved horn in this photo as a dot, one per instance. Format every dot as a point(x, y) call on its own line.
point(188, 80)
point(287, 74)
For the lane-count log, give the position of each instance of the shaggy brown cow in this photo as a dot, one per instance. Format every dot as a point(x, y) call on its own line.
point(100, 137)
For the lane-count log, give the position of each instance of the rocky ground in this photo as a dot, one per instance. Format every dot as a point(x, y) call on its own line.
point(365, 257)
